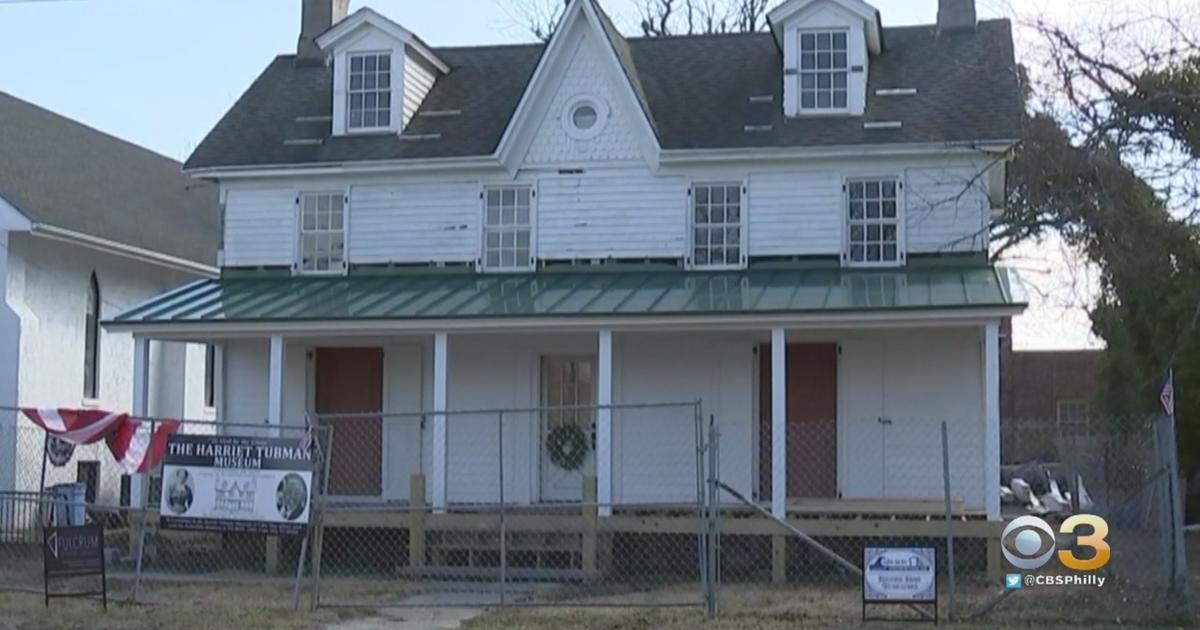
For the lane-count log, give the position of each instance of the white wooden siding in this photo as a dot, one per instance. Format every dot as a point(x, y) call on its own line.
point(947, 209)
point(260, 227)
point(795, 213)
point(402, 430)
point(419, 77)
point(417, 222)
point(608, 211)
point(245, 382)
point(914, 380)
point(654, 457)
point(622, 213)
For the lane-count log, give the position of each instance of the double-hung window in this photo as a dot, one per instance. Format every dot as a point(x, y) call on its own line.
point(824, 71)
point(322, 232)
point(507, 228)
point(717, 225)
point(370, 91)
point(873, 222)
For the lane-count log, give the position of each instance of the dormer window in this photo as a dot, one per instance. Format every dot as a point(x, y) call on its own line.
point(824, 71)
point(381, 71)
point(369, 94)
point(827, 49)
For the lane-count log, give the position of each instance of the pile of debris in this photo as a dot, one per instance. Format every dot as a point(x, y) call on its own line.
point(1043, 489)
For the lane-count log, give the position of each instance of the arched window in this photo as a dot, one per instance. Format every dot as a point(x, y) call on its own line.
point(91, 343)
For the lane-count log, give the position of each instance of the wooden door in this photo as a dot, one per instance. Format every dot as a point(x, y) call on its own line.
point(811, 420)
point(350, 381)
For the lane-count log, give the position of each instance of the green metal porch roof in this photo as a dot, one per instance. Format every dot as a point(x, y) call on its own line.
point(436, 296)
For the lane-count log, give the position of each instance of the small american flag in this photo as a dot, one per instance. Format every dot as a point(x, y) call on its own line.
point(1167, 395)
point(308, 440)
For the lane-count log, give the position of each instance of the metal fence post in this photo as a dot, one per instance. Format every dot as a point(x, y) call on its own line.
point(326, 455)
point(503, 509)
point(1178, 560)
point(714, 556)
point(701, 504)
point(141, 523)
point(949, 520)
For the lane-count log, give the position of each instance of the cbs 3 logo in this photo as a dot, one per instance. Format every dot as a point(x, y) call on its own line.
point(1028, 542)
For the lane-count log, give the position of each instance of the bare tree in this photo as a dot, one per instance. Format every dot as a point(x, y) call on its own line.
point(662, 18)
point(657, 18)
point(539, 17)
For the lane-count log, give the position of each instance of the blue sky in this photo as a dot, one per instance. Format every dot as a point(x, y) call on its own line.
point(162, 72)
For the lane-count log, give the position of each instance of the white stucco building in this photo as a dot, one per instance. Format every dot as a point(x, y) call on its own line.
point(89, 226)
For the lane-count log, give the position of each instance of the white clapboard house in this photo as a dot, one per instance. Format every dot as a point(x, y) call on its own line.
point(789, 226)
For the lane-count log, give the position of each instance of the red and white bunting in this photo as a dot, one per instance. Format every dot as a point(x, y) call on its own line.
point(135, 448)
point(129, 440)
point(77, 426)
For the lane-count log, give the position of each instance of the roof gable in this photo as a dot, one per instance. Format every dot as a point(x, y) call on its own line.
point(616, 136)
point(352, 27)
point(617, 63)
point(793, 9)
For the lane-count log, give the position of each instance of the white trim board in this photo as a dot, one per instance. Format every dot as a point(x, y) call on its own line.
point(972, 316)
point(121, 249)
point(760, 155)
point(368, 16)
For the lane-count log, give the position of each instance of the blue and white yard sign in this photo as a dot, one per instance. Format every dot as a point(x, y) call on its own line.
point(899, 574)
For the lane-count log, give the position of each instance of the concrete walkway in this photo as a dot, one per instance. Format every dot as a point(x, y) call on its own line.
point(411, 619)
point(445, 606)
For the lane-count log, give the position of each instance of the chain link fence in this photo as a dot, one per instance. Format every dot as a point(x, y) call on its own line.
point(519, 516)
point(883, 482)
point(522, 516)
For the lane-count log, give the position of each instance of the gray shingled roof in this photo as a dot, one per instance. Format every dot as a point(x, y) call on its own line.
point(697, 88)
point(64, 174)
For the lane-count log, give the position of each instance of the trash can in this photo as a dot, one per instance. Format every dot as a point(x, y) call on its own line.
point(70, 504)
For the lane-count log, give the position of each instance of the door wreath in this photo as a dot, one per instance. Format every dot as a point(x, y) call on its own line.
point(567, 445)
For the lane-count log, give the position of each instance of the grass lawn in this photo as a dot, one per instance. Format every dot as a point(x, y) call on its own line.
point(217, 607)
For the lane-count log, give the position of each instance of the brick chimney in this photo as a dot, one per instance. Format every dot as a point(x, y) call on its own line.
point(315, 17)
point(956, 15)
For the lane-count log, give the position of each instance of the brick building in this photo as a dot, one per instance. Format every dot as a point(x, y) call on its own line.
point(1042, 393)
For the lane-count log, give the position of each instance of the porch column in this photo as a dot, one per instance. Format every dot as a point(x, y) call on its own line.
point(604, 399)
point(275, 384)
point(991, 410)
point(440, 376)
point(140, 407)
point(779, 423)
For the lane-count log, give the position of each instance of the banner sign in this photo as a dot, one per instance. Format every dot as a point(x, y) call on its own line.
point(900, 575)
point(236, 484)
point(72, 552)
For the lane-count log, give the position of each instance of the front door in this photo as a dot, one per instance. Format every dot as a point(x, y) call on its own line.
point(811, 420)
point(349, 383)
point(568, 426)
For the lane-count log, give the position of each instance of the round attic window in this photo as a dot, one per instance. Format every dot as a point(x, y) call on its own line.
point(584, 118)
